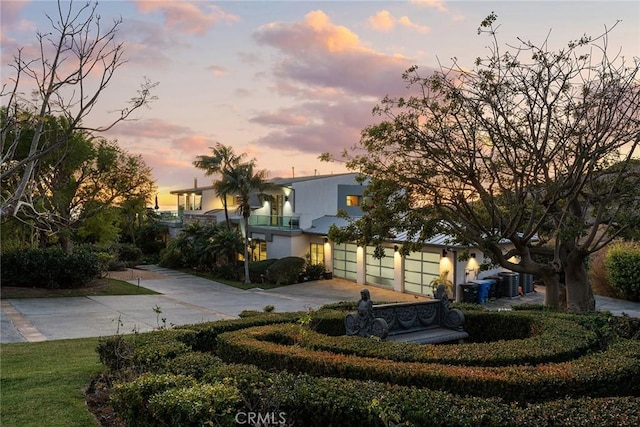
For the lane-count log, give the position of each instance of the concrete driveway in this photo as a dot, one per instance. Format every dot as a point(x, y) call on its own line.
point(184, 299)
point(187, 299)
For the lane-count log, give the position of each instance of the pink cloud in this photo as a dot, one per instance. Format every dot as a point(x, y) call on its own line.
point(190, 17)
point(196, 144)
point(320, 54)
point(434, 4)
point(287, 117)
point(384, 21)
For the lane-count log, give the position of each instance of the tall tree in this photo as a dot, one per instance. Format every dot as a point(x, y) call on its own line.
point(530, 147)
point(222, 161)
point(248, 185)
point(79, 58)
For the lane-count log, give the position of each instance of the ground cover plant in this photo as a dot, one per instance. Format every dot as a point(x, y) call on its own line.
point(542, 368)
point(42, 382)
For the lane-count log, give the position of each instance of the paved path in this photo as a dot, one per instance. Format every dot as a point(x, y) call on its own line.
point(187, 299)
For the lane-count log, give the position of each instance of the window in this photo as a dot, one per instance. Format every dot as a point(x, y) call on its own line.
point(258, 250)
point(316, 253)
point(353, 200)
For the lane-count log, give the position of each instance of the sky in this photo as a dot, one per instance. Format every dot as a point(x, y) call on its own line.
point(284, 81)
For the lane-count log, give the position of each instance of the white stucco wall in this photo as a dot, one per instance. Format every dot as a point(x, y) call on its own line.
point(317, 197)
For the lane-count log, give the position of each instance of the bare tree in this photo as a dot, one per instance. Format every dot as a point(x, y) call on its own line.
point(77, 62)
point(531, 150)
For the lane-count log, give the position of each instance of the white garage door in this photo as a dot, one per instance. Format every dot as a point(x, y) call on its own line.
point(345, 261)
point(419, 269)
point(379, 271)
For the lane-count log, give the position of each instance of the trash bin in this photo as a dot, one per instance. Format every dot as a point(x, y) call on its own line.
point(526, 281)
point(484, 287)
point(469, 292)
point(511, 286)
point(498, 289)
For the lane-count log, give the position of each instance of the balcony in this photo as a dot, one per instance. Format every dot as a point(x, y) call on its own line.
point(275, 221)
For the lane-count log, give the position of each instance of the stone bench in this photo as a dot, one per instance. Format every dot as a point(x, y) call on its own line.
point(421, 322)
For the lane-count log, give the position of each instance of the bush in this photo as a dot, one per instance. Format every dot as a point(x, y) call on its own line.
point(258, 269)
point(598, 278)
point(49, 268)
point(315, 271)
point(623, 269)
point(285, 271)
point(130, 254)
point(196, 405)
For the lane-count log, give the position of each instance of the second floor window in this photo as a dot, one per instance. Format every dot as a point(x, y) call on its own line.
point(353, 200)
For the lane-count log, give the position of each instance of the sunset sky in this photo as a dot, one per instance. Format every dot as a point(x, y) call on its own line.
point(284, 81)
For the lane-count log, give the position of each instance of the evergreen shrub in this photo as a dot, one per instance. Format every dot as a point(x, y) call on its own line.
point(285, 271)
point(49, 268)
point(623, 270)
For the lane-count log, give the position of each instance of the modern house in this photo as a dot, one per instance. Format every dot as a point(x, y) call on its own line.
point(295, 221)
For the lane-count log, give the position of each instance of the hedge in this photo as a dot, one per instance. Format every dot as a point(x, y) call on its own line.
point(623, 269)
point(189, 387)
point(551, 340)
point(49, 268)
point(598, 374)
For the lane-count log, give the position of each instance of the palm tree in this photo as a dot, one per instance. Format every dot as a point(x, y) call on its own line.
point(247, 185)
point(222, 160)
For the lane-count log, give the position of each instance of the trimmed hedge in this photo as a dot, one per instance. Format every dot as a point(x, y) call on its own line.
point(552, 340)
point(598, 374)
point(49, 268)
point(382, 391)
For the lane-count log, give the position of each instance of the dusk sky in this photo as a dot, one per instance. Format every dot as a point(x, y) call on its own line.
point(284, 81)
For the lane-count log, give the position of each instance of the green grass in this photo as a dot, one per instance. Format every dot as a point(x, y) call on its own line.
point(98, 287)
point(42, 383)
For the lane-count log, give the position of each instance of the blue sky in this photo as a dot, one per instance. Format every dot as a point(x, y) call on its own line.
point(284, 81)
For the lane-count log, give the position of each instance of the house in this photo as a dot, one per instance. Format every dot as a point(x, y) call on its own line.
point(295, 221)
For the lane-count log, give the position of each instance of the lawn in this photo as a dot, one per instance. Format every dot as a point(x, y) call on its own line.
point(97, 287)
point(42, 383)
point(234, 283)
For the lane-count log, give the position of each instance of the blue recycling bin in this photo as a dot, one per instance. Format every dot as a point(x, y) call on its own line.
point(484, 287)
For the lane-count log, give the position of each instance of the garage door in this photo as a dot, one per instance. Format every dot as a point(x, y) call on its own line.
point(379, 271)
point(420, 268)
point(345, 261)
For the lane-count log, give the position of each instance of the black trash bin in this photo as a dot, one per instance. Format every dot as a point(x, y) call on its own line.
point(499, 289)
point(469, 292)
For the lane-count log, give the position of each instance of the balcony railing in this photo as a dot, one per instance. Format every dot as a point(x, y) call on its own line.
point(276, 221)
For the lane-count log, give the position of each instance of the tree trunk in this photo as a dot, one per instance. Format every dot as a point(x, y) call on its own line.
point(579, 295)
point(247, 279)
point(552, 290)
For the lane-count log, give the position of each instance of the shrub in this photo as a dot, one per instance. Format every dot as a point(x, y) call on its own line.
point(196, 405)
point(623, 269)
point(285, 271)
point(315, 271)
point(258, 269)
point(130, 254)
point(49, 268)
point(130, 399)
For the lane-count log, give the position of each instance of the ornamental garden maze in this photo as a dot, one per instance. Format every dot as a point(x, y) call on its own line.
point(527, 367)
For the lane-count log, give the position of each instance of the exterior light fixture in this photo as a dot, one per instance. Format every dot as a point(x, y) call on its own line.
point(444, 253)
point(326, 240)
point(395, 248)
point(286, 198)
point(473, 254)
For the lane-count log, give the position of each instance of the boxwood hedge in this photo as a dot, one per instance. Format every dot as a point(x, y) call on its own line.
point(295, 370)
